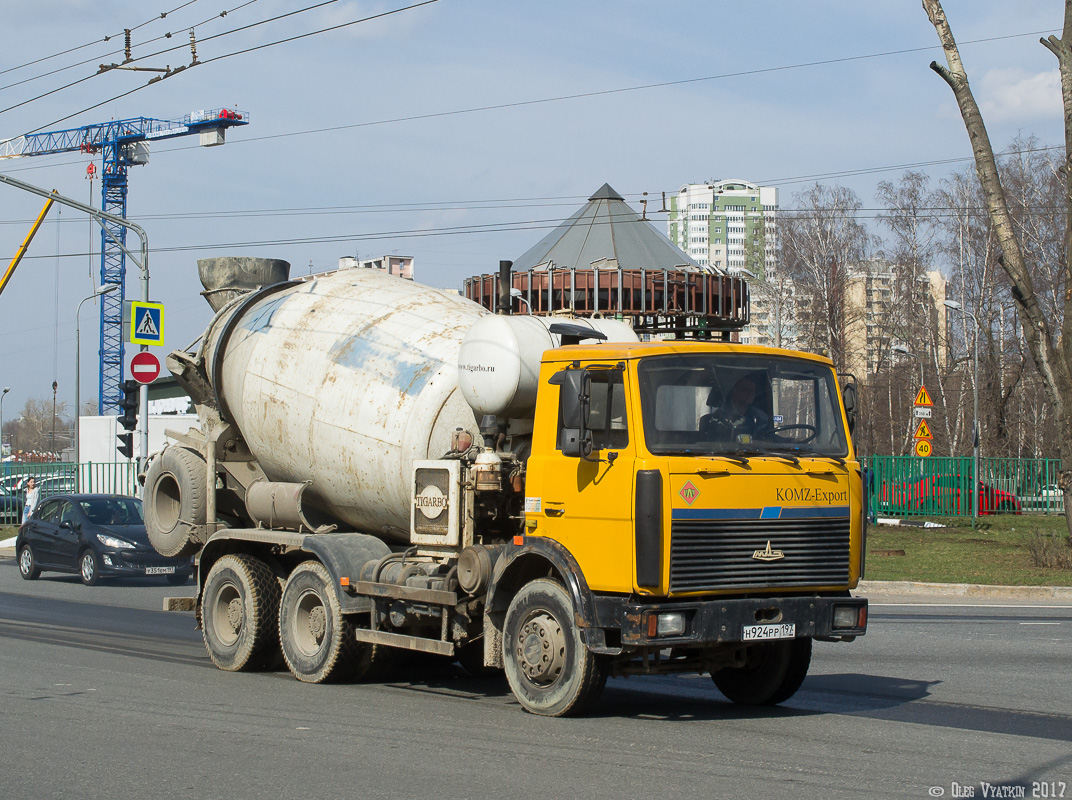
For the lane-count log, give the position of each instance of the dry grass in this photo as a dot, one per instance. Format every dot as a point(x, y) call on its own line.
point(1010, 550)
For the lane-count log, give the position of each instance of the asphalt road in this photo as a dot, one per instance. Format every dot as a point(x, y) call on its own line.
point(104, 696)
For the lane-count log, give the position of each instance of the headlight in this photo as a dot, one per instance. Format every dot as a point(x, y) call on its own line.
point(115, 544)
point(850, 616)
point(668, 623)
point(672, 624)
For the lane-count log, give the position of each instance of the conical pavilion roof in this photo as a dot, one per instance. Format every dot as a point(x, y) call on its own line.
point(605, 233)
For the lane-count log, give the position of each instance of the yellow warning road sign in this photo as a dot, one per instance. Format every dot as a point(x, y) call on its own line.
point(924, 430)
point(923, 448)
point(922, 398)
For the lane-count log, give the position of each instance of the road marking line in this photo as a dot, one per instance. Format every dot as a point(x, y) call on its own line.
point(956, 605)
point(1040, 623)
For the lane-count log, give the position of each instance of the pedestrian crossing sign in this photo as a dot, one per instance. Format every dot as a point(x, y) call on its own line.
point(146, 323)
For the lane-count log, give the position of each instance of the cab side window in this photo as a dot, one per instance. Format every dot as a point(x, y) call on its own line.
point(606, 412)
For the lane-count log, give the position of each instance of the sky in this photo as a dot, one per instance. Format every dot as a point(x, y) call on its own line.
point(458, 132)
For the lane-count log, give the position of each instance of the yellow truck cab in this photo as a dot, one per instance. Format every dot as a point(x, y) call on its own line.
point(703, 504)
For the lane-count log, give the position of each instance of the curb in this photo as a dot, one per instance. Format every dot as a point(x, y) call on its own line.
point(965, 590)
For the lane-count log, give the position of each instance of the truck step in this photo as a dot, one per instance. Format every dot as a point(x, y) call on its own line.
point(437, 646)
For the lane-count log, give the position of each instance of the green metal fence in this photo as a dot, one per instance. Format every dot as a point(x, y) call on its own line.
point(902, 486)
point(59, 478)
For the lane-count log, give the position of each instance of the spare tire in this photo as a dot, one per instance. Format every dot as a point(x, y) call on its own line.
point(175, 501)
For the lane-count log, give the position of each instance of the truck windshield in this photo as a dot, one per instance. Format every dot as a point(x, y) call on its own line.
point(740, 403)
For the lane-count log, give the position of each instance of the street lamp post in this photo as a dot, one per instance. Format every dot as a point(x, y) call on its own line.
point(2, 394)
point(105, 289)
point(953, 304)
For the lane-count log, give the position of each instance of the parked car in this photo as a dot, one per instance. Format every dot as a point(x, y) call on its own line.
point(1049, 498)
point(93, 536)
point(10, 508)
point(941, 495)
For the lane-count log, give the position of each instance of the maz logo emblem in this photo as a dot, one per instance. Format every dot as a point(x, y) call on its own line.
point(768, 554)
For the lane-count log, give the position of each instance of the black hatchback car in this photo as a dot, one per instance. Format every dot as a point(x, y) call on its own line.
point(94, 536)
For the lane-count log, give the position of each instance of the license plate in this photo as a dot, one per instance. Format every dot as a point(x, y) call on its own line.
point(784, 630)
point(159, 570)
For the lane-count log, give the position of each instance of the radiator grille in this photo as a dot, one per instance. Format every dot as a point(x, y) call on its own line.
point(712, 554)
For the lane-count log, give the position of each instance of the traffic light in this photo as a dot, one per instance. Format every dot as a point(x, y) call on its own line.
point(129, 418)
point(126, 449)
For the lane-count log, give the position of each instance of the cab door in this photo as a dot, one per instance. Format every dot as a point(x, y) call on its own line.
point(587, 502)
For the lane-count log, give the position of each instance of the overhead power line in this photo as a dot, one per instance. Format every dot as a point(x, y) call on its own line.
point(476, 229)
point(247, 50)
point(107, 38)
point(97, 59)
point(625, 89)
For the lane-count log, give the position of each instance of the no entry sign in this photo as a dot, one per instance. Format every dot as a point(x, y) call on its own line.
point(145, 367)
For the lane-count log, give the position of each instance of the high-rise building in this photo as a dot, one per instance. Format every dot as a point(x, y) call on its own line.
point(883, 309)
point(727, 225)
point(730, 226)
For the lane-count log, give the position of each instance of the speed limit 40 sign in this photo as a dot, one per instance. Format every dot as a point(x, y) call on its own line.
point(923, 447)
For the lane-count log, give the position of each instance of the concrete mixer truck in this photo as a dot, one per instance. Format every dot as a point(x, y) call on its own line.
point(382, 467)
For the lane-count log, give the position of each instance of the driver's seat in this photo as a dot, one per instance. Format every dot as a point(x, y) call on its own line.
point(714, 426)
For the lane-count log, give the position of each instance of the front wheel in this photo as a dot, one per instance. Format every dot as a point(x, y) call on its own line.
point(239, 608)
point(772, 673)
point(548, 667)
point(89, 568)
point(28, 568)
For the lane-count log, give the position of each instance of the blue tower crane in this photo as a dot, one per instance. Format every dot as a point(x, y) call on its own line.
point(124, 144)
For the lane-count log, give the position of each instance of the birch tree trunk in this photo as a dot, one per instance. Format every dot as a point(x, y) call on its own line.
point(1050, 349)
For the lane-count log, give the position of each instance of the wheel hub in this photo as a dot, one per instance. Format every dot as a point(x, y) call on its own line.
point(24, 562)
point(541, 648)
point(318, 623)
point(234, 614)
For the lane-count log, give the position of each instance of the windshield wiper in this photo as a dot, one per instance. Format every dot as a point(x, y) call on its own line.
point(776, 453)
point(788, 456)
point(737, 456)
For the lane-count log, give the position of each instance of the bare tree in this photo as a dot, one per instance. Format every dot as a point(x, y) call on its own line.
point(820, 243)
point(32, 431)
point(1047, 338)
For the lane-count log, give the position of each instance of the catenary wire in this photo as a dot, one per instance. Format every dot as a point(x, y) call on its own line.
point(107, 38)
point(259, 47)
point(96, 59)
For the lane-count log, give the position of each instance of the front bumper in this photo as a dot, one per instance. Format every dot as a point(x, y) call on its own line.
point(723, 621)
point(137, 562)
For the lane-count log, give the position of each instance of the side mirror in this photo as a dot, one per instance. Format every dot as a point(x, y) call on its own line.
point(849, 396)
point(575, 396)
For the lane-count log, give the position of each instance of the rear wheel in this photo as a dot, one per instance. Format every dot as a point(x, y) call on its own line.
point(550, 670)
point(89, 568)
point(28, 568)
point(238, 613)
point(318, 642)
point(772, 673)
